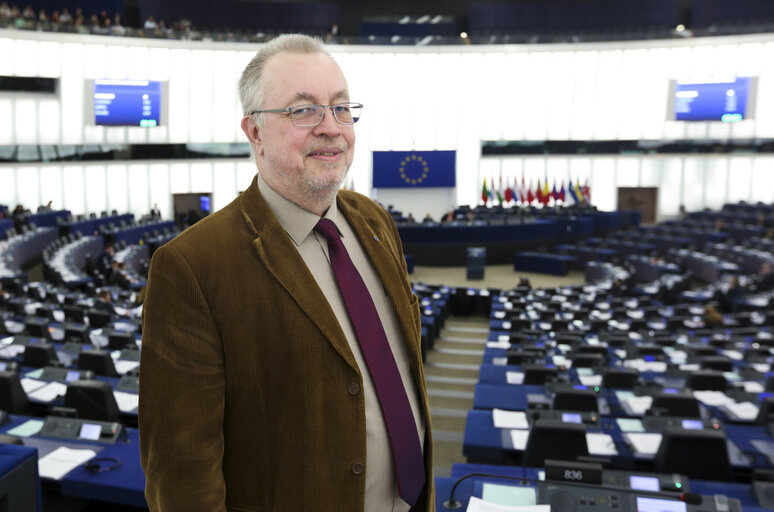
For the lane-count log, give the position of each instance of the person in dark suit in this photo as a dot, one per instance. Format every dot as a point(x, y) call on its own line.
point(104, 302)
point(256, 393)
point(764, 281)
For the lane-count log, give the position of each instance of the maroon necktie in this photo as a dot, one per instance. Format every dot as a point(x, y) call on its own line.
point(401, 428)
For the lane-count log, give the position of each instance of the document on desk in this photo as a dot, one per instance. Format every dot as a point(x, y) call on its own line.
point(637, 405)
point(30, 385)
point(512, 495)
point(630, 425)
point(733, 354)
point(753, 387)
point(509, 419)
point(48, 392)
point(499, 344)
point(644, 443)
point(123, 367)
point(600, 444)
point(499, 361)
point(742, 411)
point(61, 461)
point(127, 402)
point(713, 398)
point(478, 505)
point(11, 351)
point(590, 380)
point(514, 377)
point(519, 439)
point(26, 429)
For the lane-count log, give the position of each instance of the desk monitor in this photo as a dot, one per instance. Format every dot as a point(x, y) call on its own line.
point(90, 431)
point(659, 505)
point(72, 375)
point(692, 424)
point(568, 417)
point(644, 483)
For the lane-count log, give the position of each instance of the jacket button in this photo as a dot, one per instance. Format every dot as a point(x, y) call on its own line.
point(353, 388)
point(357, 468)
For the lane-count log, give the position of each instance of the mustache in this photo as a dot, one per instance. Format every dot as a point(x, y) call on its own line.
point(327, 143)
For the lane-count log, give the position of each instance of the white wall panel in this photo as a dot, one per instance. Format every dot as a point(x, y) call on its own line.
point(158, 181)
point(179, 94)
point(49, 122)
point(7, 123)
point(95, 61)
point(201, 177)
point(402, 80)
point(583, 110)
point(117, 65)
point(8, 190)
point(224, 93)
point(602, 185)
point(224, 188)
point(694, 172)
point(670, 190)
point(138, 64)
point(139, 190)
point(535, 100)
point(117, 182)
point(26, 120)
point(96, 189)
point(50, 59)
point(75, 198)
point(7, 48)
point(763, 179)
point(201, 88)
point(739, 179)
point(71, 91)
point(716, 182)
point(610, 97)
point(180, 178)
point(560, 92)
point(650, 172)
point(51, 188)
point(628, 172)
point(245, 173)
point(26, 55)
point(28, 186)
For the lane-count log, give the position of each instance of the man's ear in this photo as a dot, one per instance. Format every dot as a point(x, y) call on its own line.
point(253, 132)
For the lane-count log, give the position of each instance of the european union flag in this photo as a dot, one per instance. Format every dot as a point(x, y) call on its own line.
point(410, 169)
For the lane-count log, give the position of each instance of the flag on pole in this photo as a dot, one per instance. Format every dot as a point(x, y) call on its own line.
point(530, 195)
point(508, 193)
point(561, 192)
point(578, 191)
point(554, 193)
point(546, 192)
point(572, 197)
point(491, 190)
point(523, 191)
point(484, 192)
point(539, 192)
point(500, 191)
point(587, 192)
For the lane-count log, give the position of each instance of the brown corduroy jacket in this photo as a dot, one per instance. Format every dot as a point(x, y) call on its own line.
point(245, 400)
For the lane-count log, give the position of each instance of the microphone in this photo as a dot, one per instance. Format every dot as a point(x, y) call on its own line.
point(691, 498)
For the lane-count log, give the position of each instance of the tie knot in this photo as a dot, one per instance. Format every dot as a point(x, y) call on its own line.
point(328, 229)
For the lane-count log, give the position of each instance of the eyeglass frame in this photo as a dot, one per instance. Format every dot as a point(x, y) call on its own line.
point(289, 110)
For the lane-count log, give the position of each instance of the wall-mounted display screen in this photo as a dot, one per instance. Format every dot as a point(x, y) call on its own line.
point(127, 103)
point(727, 100)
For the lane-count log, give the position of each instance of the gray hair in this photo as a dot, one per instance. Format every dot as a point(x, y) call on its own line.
point(251, 87)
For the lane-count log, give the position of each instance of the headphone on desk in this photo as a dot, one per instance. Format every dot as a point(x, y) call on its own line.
point(100, 464)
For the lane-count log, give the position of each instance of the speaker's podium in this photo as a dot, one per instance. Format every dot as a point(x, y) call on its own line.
point(476, 262)
point(19, 479)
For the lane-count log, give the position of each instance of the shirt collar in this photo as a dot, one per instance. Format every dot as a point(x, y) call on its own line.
point(296, 221)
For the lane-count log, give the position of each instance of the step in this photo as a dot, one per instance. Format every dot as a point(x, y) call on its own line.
point(470, 360)
point(442, 379)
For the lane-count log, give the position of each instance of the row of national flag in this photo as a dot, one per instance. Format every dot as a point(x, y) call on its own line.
point(573, 193)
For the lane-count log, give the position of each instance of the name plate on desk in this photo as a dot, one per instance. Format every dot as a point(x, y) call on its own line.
point(579, 472)
point(75, 429)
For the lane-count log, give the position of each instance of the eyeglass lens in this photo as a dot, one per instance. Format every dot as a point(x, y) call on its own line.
point(311, 115)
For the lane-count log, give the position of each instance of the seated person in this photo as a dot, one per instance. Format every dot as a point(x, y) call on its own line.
point(764, 281)
point(727, 299)
point(104, 302)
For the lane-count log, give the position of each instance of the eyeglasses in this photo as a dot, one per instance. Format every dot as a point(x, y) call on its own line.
point(305, 116)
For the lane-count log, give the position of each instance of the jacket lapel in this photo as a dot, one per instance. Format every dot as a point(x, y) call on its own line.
point(278, 253)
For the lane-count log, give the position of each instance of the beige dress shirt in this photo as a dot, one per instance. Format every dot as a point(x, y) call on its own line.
point(381, 491)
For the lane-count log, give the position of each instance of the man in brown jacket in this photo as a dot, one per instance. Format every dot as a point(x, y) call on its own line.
point(255, 393)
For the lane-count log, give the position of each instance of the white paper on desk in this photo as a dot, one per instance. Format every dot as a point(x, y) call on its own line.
point(644, 443)
point(678, 356)
point(479, 505)
point(514, 377)
point(11, 351)
point(590, 380)
point(61, 461)
point(49, 392)
point(30, 385)
point(753, 387)
point(562, 361)
point(743, 411)
point(504, 337)
point(639, 404)
point(713, 398)
point(59, 315)
point(498, 344)
point(499, 315)
point(733, 354)
point(506, 324)
point(125, 366)
point(646, 366)
point(690, 367)
point(499, 361)
point(519, 439)
point(127, 402)
point(761, 367)
point(600, 444)
point(509, 419)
